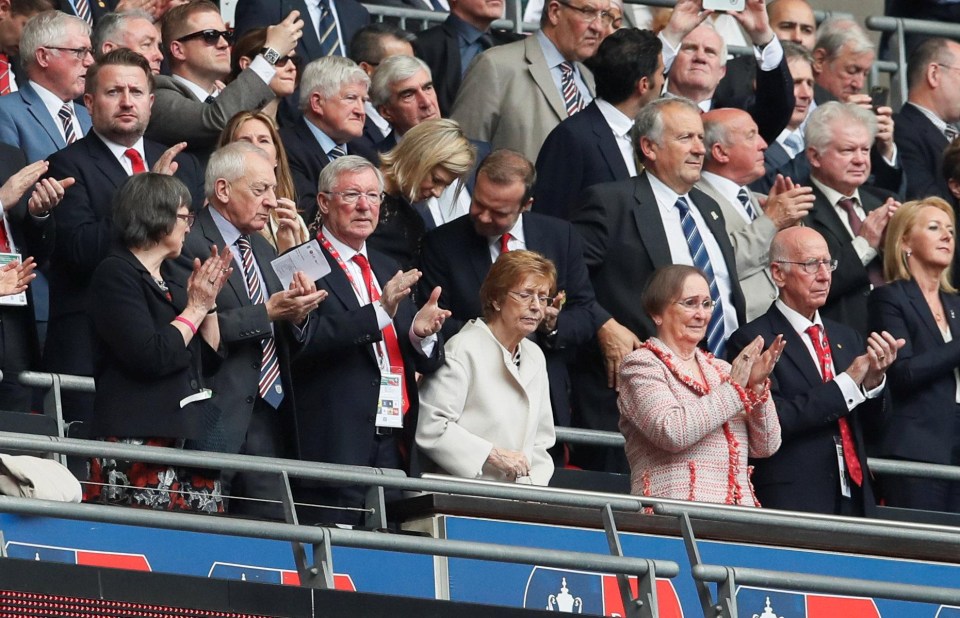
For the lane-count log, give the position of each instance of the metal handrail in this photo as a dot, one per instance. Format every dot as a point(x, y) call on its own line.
point(336, 536)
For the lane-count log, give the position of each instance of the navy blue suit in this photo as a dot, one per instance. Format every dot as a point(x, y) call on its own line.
point(580, 152)
point(804, 475)
point(921, 146)
point(457, 259)
point(250, 14)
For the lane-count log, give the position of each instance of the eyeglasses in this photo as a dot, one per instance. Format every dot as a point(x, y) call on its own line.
point(527, 297)
point(188, 218)
point(352, 197)
point(812, 267)
point(692, 304)
point(588, 16)
point(210, 36)
point(79, 52)
point(947, 66)
point(283, 60)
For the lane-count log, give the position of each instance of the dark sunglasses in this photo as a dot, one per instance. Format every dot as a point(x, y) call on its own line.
point(209, 36)
point(283, 60)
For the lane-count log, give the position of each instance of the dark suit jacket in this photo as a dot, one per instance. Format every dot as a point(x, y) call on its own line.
point(250, 14)
point(242, 328)
point(19, 347)
point(624, 242)
point(803, 475)
point(847, 302)
point(457, 259)
point(84, 229)
point(307, 160)
point(337, 379)
point(440, 49)
point(580, 152)
point(143, 368)
point(776, 161)
point(921, 153)
point(920, 426)
point(770, 103)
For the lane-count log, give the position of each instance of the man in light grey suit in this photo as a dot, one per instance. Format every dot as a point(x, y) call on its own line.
point(734, 159)
point(41, 117)
point(513, 95)
point(189, 107)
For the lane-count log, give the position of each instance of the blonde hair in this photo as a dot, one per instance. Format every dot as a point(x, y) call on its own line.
point(900, 226)
point(424, 147)
point(285, 188)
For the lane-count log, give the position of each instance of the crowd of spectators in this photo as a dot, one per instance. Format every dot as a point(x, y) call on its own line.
point(594, 226)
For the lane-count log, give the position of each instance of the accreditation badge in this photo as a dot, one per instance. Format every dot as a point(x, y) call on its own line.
point(390, 400)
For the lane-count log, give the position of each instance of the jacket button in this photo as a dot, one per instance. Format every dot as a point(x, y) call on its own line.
point(250, 399)
point(374, 382)
point(255, 364)
point(194, 385)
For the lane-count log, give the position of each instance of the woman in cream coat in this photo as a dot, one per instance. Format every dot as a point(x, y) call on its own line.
point(486, 413)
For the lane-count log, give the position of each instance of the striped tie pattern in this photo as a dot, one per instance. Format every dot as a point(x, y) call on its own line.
point(66, 119)
point(270, 388)
point(744, 197)
point(327, 31)
point(571, 94)
point(716, 342)
point(83, 11)
point(4, 74)
point(336, 152)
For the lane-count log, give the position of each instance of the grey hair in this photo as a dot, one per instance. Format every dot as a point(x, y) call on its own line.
point(723, 41)
point(47, 29)
point(836, 32)
point(349, 164)
point(392, 70)
point(110, 26)
point(819, 131)
point(714, 132)
point(327, 76)
point(649, 123)
point(229, 163)
point(145, 208)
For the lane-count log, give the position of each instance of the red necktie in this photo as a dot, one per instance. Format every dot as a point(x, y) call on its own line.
point(4, 74)
point(4, 241)
point(505, 243)
point(135, 160)
point(821, 346)
point(394, 357)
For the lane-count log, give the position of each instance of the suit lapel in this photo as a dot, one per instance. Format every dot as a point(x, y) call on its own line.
point(39, 112)
point(824, 212)
point(606, 142)
point(106, 162)
point(713, 216)
point(920, 305)
point(649, 224)
point(210, 232)
point(796, 350)
point(541, 76)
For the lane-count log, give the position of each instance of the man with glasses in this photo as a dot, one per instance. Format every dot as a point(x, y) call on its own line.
point(850, 214)
point(925, 125)
point(119, 93)
point(191, 106)
point(827, 386)
point(355, 380)
point(41, 117)
point(514, 95)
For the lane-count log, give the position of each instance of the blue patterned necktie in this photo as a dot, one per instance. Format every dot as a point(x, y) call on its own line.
point(744, 198)
point(270, 388)
point(571, 94)
point(715, 339)
point(327, 31)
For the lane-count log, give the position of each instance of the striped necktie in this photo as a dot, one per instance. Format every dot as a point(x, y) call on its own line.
point(66, 119)
point(744, 197)
point(270, 388)
point(4, 74)
point(83, 11)
point(327, 31)
point(571, 94)
point(698, 251)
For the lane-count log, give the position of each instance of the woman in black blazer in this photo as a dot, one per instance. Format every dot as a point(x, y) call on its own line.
point(921, 306)
point(148, 370)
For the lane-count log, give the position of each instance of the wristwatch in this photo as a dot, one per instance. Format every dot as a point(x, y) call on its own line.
point(270, 55)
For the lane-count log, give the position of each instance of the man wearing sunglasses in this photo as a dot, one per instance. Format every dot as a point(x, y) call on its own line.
point(192, 105)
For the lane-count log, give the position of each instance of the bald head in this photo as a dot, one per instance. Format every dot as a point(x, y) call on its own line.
point(793, 20)
point(790, 251)
point(734, 145)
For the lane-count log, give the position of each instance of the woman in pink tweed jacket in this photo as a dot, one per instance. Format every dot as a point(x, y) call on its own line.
point(691, 420)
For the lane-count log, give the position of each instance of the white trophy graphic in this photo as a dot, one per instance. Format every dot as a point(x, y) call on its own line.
point(767, 612)
point(564, 602)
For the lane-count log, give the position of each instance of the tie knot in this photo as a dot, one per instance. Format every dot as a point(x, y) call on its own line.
point(566, 68)
point(244, 242)
point(361, 261)
point(743, 196)
point(682, 205)
point(814, 332)
point(66, 112)
point(505, 242)
point(336, 152)
point(950, 132)
point(849, 204)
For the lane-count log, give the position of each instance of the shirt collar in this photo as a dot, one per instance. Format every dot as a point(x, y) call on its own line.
point(467, 32)
point(799, 322)
point(228, 230)
point(724, 186)
point(194, 89)
point(931, 116)
point(119, 150)
point(666, 197)
point(550, 52)
point(51, 101)
point(326, 142)
point(833, 196)
point(620, 123)
point(346, 251)
point(516, 232)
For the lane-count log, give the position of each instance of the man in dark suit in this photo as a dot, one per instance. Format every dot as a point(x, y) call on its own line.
point(632, 227)
point(825, 386)
point(850, 215)
point(346, 17)
point(369, 48)
point(924, 122)
point(190, 107)
point(696, 67)
point(450, 47)
point(41, 117)
point(331, 123)
point(28, 231)
point(101, 162)
point(355, 380)
point(457, 256)
point(252, 386)
point(595, 145)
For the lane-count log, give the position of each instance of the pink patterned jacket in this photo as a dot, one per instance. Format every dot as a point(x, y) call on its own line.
point(688, 441)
